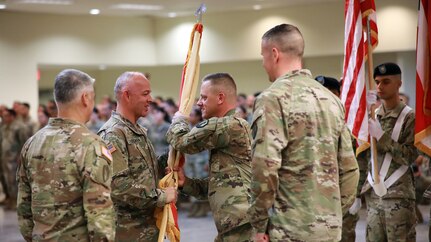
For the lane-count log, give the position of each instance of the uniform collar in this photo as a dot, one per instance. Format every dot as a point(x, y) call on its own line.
point(394, 113)
point(305, 72)
point(63, 121)
point(135, 128)
point(230, 113)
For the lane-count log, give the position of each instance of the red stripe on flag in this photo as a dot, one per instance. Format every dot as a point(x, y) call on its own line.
point(423, 79)
point(354, 89)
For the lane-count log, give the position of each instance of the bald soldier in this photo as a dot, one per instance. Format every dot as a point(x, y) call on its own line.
point(227, 138)
point(304, 173)
point(136, 172)
point(64, 176)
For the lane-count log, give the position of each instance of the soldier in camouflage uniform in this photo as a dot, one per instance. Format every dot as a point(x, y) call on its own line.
point(64, 176)
point(136, 171)
point(227, 138)
point(392, 217)
point(13, 136)
point(304, 172)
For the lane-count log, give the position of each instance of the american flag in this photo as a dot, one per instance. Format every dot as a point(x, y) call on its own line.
point(353, 92)
point(423, 79)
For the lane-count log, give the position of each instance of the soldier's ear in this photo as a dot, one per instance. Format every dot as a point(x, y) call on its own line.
point(221, 98)
point(85, 99)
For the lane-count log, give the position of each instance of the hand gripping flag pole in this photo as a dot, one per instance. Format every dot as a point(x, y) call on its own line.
point(167, 219)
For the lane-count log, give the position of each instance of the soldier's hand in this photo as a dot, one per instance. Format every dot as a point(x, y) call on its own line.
point(375, 129)
point(171, 195)
point(178, 115)
point(261, 237)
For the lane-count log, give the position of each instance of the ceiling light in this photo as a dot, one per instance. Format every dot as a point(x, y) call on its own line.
point(94, 11)
point(2, 6)
point(257, 7)
point(52, 2)
point(127, 6)
point(172, 15)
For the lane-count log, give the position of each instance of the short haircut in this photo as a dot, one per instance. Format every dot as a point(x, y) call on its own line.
point(222, 81)
point(122, 81)
point(27, 105)
point(287, 38)
point(69, 83)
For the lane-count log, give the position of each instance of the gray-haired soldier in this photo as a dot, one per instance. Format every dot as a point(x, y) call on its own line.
point(64, 177)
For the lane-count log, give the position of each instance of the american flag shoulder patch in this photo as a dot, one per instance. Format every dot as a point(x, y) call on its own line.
point(111, 148)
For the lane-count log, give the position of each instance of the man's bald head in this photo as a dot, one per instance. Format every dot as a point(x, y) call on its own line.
point(287, 39)
point(124, 81)
point(222, 82)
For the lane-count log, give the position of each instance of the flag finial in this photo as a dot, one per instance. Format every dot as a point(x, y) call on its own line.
point(202, 9)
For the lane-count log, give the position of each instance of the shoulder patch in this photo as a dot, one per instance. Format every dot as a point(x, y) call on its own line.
point(106, 153)
point(202, 124)
point(111, 148)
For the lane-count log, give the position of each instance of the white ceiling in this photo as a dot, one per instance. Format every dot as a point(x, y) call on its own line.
point(160, 8)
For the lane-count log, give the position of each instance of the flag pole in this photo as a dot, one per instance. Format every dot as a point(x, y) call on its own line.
point(372, 86)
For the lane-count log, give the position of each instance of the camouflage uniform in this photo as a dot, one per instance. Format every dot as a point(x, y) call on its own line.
point(304, 171)
point(135, 179)
point(13, 138)
point(227, 188)
point(64, 185)
point(392, 217)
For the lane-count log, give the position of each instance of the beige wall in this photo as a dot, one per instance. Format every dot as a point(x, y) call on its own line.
point(231, 43)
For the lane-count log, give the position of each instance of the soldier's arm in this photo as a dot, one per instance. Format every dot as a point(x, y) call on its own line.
point(269, 139)
point(207, 135)
point(402, 153)
point(348, 170)
point(196, 187)
point(363, 159)
point(98, 206)
point(25, 216)
point(130, 190)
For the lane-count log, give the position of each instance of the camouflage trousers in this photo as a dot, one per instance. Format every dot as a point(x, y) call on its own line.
point(242, 233)
point(136, 230)
point(390, 220)
point(349, 226)
point(9, 175)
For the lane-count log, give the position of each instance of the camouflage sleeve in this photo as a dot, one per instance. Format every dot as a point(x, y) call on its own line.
point(207, 135)
point(126, 188)
point(348, 170)
point(363, 162)
point(25, 216)
point(402, 153)
point(269, 138)
point(196, 187)
point(98, 205)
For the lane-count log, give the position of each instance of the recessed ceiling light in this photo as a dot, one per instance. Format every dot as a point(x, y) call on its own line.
point(127, 6)
point(2, 6)
point(52, 2)
point(172, 15)
point(94, 11)
point(257, 7)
